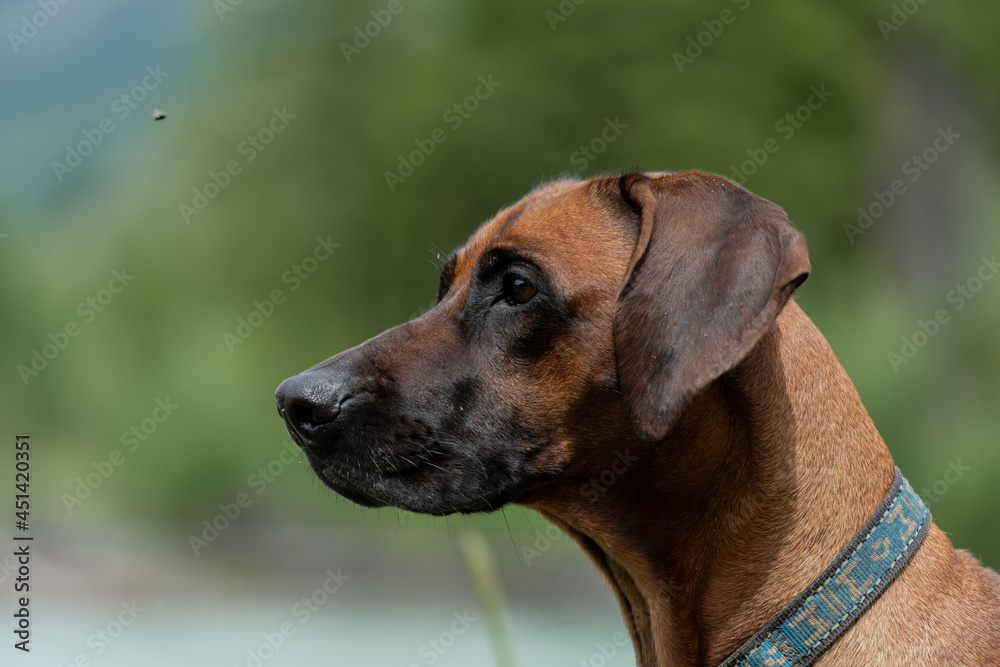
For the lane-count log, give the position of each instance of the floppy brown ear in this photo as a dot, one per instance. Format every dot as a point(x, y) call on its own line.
point(713, 267)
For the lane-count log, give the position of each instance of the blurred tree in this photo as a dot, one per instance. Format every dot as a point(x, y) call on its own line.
point(814, 105)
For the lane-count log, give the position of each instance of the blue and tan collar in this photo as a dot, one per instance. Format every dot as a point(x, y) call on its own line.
point(852, 582)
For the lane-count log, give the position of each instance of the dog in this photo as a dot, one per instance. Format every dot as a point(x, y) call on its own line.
point(622, 354)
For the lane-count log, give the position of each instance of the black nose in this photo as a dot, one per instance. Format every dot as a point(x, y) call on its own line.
point(308, 402)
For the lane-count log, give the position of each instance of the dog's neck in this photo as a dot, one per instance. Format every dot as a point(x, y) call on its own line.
point(728, 536)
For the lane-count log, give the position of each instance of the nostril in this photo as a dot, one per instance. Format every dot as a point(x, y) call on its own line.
point(311, 416)
point(302, 414)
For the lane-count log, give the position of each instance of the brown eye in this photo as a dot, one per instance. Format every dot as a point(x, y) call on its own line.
point(517, 290)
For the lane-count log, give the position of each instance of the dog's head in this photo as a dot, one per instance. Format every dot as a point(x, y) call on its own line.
point(586, 312)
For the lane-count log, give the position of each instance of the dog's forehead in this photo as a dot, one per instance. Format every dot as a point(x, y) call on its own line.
point(560, 225)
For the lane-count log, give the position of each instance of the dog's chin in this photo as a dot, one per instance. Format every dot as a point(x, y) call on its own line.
point(351, 491)
point(423, 497)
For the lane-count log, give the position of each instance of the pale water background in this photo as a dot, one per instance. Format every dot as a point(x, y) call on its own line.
point(351, 632)
point(401, 587)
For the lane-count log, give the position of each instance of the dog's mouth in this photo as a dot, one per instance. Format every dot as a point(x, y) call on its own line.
point(408, 474)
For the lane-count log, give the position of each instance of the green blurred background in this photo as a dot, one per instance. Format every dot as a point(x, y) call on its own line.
point(686, 85)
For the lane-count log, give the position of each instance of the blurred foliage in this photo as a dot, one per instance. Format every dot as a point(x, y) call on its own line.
point(324, 176)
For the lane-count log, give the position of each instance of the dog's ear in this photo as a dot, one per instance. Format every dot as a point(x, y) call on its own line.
point(713, 267)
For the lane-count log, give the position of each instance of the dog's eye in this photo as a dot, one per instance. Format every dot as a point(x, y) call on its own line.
point(517, 290)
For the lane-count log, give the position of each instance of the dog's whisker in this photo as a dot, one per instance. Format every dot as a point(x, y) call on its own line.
point(407, 460)
point(439, 254)
point(503, 510)
point(465, 451)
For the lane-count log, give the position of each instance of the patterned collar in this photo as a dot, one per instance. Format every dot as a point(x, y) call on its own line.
point(838, 597)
